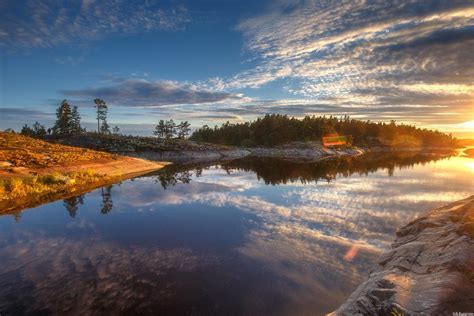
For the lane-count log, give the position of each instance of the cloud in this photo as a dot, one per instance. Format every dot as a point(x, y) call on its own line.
point(43, 23)
point(144, 93)
point(8, 113)
point(374, 54)
point(69, 60)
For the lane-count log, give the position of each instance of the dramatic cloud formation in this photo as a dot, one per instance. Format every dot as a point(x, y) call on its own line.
point(407, 60)
point(371, 54)
point(45, 23)
point(140, 92)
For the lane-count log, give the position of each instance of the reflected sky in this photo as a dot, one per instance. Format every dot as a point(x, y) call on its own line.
point(244, 237)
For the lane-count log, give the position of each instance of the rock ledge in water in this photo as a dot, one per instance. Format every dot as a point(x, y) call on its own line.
point(429, 271)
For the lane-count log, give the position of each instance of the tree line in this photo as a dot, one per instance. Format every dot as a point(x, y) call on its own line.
point(169, 129)
point(68, 123)
point(277, 129)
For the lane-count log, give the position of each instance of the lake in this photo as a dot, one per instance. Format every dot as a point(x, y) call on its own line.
point(251, 236)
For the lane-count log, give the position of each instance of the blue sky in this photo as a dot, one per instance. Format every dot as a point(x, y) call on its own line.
point(213, 61)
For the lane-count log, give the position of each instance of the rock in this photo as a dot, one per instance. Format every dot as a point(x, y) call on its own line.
point(189, 155)
point(428, 271)
point(300, 152)
point(5, 164)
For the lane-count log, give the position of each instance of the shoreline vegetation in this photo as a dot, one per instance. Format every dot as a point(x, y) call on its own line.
point(427, 271)
point(41, 163)
point(33, 172)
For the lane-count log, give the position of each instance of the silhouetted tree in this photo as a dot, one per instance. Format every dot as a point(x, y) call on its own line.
point(64, 124)
point(116, 130)
point(38, 130)
point(27, 131)
point(160, 130)
point(277, 129)
point(76, 121)
point(102, 125)
point(183, 129)
point(171, 177)
point(72, 204)
point(170, 129)
point(107, 202)
point(17, 216)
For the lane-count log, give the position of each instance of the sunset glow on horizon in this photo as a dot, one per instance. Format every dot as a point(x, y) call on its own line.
point(210, 62)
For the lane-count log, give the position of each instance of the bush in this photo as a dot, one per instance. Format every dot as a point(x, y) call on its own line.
point(54, 178)
point(248, 143)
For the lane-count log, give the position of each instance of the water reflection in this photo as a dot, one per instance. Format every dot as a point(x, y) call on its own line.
point(107, 202)
point(278, 171)
point(72, 204)
point(200, 239)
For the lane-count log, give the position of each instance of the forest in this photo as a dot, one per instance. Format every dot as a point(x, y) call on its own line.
point(276, 129)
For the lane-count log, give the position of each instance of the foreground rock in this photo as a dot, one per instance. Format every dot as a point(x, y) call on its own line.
point(429, 271)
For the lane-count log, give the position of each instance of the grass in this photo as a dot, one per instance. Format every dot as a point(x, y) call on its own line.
point(33, 172)
point(22, 151)
point(20, 187)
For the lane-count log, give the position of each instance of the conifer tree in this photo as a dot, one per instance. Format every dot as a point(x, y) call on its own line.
point(183, 129)
point(76, 121)
point(64, 123)
point(160, 129)
point(102, 125)
point(170, 129)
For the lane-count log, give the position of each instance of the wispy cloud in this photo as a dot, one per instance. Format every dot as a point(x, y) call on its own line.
point(69, 60)
point(374, 53)
point(144, 93)
point(9, 113)
point(44, 23)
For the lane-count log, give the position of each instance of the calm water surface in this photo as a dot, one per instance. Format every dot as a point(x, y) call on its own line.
point(244, 237)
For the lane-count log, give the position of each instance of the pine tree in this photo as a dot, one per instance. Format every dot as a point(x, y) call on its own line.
point(170, 129)
point(101, 116)
point(105, 127)
point(39, 130)
point(76, 121)
point(183, 129)
point(116, 130)
point(27, 131)
point(64, 124)
point(160, 129)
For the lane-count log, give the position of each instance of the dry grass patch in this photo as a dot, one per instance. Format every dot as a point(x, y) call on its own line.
point(22, 151)
point(14, 188)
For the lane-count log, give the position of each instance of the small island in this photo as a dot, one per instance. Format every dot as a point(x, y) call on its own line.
point(40, 165)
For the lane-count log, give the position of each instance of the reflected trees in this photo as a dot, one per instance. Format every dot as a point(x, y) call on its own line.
point(72, 204)
point(107, 203)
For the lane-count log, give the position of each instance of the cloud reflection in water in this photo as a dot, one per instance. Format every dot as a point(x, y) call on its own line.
point(224, 240)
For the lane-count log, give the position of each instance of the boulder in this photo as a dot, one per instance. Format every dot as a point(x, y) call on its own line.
point(428, 271)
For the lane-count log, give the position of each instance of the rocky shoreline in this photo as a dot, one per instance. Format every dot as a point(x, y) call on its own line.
point(428, 271)
point(299, 152)
point(185, 151)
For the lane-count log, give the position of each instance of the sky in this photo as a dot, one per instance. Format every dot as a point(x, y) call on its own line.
point(226, 60)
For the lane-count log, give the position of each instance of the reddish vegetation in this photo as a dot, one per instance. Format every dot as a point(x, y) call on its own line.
point(33, 171)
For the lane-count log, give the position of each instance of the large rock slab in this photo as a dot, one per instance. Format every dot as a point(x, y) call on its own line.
point(428, 271)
